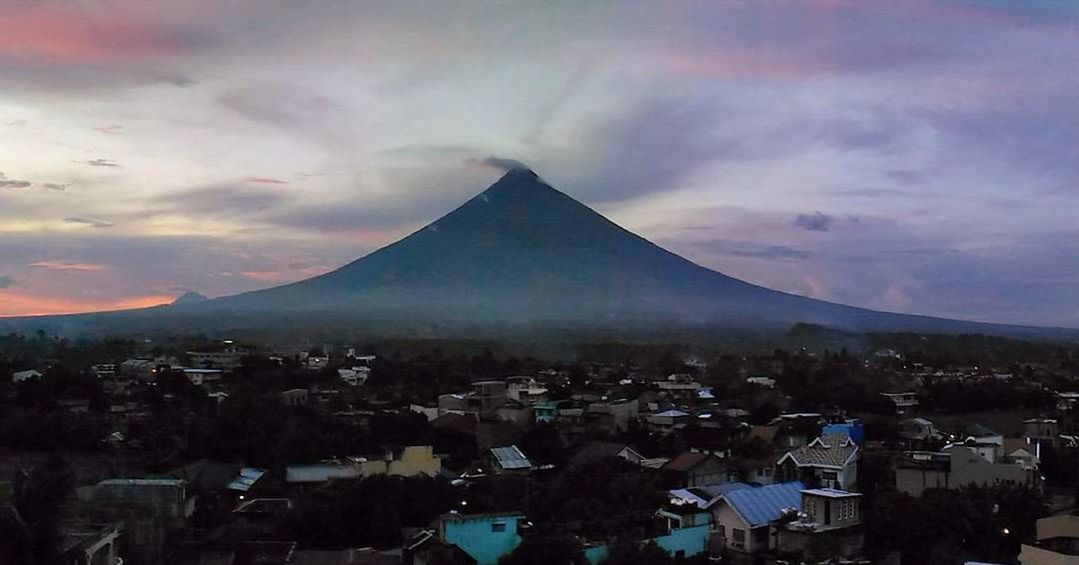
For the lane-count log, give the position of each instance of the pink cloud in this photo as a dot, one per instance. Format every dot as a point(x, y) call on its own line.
point(110, 130)
point(17, 303)
point(67, 266)
point(68, 33)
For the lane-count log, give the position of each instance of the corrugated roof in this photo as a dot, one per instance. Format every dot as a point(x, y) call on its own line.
point(511, 457)
point(759, 506)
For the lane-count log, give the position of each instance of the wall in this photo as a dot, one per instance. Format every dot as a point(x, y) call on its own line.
point(724, 515)
point(475, 536)
point(690, 541)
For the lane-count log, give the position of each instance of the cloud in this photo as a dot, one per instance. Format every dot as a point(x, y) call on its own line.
point(6, 281)
point(100, 163)
point(54, 186)
point(67, 33)
point(89, 222)
point(503, 164)
point(11, 183)
point(110, 130)
point(223, 200)
point(751, 250)
point(816, 221)
point(67, 266)
point(265, 180)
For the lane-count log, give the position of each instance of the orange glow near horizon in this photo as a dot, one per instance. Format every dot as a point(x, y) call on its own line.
point(17, 303)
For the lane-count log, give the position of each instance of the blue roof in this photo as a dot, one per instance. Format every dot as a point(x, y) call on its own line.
point(725, 488)
point(759, 506)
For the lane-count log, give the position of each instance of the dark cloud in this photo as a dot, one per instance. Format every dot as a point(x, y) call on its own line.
point(223, 200)
point(752, 250)
point(100, 163)
point(89, 222)
point(5, 282)
point(12, 183)
point(265, 180)
point(503, 164)
point(816, 221)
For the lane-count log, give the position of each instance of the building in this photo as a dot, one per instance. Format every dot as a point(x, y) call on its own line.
point(199, 377)
point(91, 545)
point(409, 461)
point(850, 428)
point(957, 467)
point(904, 401)
point(294, 397)
point(25, 375)
point(1056, 542)
point(918, 430)
point(487, 397)
point(695, 469)
point(744, 518)
point(667, 421)
point(146, 510)
point(687, 534)
point(509, 459)
point(830, 461)
point(484, 537)
point(828, 526)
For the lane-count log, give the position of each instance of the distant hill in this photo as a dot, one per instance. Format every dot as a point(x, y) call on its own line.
point(189, 297)
point(522, 254)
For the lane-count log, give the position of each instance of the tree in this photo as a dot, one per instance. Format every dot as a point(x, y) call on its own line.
point(629, 552)
point(554, 549)
point(30, 525)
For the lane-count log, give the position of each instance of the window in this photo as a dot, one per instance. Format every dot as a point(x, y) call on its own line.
point(498, 527)
point(739, 539)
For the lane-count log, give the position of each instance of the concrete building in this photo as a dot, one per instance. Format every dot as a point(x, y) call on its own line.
point(90, 545)
point(830, 461)
point(744, 518)
point(828, 526)
point(484, 537)
point(1056, 542)
point(957, 467)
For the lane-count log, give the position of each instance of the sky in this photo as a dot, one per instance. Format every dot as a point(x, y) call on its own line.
point(918, 157)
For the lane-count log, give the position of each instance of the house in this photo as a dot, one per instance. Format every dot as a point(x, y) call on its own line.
point(703, 497)
point(829, 519)
point(484, 537)
point(147, 509)
point(356, 376)
point(796, 430)
point(904, 401)
point(597, 450)
point(693, 469)
point(199, 377)
point(687, 533)
point(666, 421)
point(918, 430)
point(90, 545)
point(509, 459)
point(744, 518)
point(294, 397)
point(425, 548)
point(525, 390)
point(613, 416)
point(1041, 431)
point(408, 461)
point(959, 466)
point(829, 461)
point(26, 375)
point(1056, 542)
point(851, 428)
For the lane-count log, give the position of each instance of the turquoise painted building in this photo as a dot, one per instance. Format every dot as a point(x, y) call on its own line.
point(484, 537)
point(687, 535)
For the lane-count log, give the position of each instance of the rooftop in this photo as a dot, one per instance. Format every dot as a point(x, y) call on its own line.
point(763, 505)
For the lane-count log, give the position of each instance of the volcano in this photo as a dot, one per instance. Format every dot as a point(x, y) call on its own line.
point(524, 253)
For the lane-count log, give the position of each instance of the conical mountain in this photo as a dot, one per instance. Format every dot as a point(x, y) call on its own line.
point(524, 253)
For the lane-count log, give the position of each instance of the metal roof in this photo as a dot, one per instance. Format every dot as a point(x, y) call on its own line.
point(247, 479)
point(511, 457)
point(760, 506)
